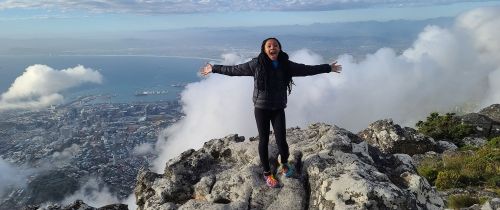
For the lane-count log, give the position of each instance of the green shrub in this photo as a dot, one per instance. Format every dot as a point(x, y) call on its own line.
point(483, 199)
point(494, 142)
point(497, 191)
point(494, 182)
point(480, 167)
point(429, 168)
point(462, 201)
point(455, 161)
point(476, 168)
point(444, 127)
point(467, 148)
point(486, 163)
point(447, 179)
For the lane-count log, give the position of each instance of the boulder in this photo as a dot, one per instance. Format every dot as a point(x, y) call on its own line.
point(390, 138)
point(335, 170)
point(418, 158)
point(474, 141)
point(483, 125)
point(491, 204)
point(492, 111)
point(446, 146)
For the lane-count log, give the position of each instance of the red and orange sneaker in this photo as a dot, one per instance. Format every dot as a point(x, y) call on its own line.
point(271, 181)
point(286, 169)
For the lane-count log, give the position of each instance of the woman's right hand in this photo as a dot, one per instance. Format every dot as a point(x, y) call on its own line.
point(207, 69)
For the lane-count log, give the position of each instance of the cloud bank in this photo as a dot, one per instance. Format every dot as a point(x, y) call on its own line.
point(445, 68)
point(175, 6)
point(214, 107)
point(40, 86)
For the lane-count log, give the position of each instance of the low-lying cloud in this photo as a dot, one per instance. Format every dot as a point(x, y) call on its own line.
point(59, 159)
point(92, 193)
point(11, 176)
point(444, 70)
point(41, 86)
point(143, 149)
point(96, 194)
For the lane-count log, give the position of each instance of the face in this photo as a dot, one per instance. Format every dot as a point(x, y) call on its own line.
point(272, 49)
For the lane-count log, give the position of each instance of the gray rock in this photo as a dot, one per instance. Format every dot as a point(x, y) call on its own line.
point(78, 205)
point(492, 204)
point(473, 207)
point(114, 207)
point(335, 170)
point(418, 158)
point(391, 138)
point(474, 141)
point(483, 125)
point(446, 146)
point(492, 111)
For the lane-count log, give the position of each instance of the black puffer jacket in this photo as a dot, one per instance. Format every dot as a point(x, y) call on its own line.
point(274, 95)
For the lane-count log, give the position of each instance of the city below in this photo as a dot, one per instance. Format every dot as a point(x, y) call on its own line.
point(64, 146)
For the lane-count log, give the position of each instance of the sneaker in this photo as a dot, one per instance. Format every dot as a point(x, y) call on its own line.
point(271, 181)
point(286, 169)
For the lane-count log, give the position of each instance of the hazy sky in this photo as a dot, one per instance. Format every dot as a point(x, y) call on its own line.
point(94, 18)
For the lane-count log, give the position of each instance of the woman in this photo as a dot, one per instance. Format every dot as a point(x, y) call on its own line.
point(272, 72)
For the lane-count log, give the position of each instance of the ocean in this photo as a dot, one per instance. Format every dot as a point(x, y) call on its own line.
point(126, 78)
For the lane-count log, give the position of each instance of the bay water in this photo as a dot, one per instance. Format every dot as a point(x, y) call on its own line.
point(125, 78)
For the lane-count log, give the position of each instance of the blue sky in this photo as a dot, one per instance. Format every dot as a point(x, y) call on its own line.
point(91, 18)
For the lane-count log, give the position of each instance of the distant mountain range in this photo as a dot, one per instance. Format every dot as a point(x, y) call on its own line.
point(328, 39)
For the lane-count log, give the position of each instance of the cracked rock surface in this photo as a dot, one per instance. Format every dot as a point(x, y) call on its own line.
point(335, 170)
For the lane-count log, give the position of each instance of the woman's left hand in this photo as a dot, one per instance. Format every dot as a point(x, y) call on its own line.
point(337, 68)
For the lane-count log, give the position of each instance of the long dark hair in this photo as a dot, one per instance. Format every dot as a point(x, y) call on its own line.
point(265, 63)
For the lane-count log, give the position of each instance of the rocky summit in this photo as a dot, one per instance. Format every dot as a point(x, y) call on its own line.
point(336, 169)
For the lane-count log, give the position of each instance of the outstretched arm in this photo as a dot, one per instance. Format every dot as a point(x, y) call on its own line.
point(301, 70)
point(244, 69)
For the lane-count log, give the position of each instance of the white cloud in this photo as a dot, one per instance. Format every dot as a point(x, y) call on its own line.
point(96, 194)
point(143, 149)
point(67, 153)
point(92, 193)
point(175, 6)
point(62, 158)
point(215, 107)
point(40, 86)
point(11, 176)
point(445, 68)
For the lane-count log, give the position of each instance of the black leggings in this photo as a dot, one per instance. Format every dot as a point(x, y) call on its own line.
point(277, 118)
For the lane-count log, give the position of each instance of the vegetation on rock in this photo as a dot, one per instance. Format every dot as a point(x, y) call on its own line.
point(446, 126)
point(462, 201)
point(479, 167)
